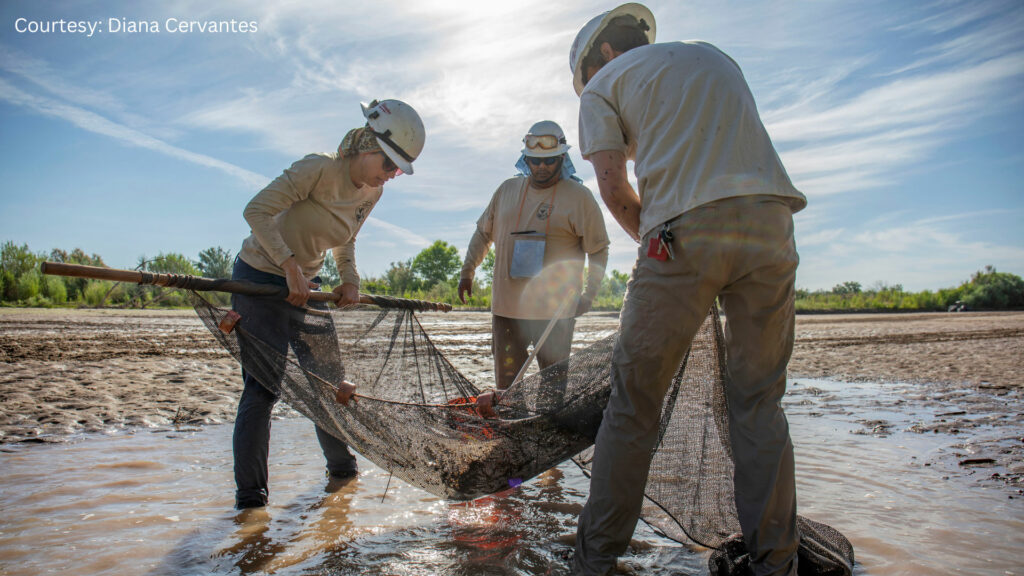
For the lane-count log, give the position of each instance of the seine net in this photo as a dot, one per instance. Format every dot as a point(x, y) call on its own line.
point(415, 418)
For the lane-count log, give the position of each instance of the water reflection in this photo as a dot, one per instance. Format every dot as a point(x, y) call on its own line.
point(160, 503)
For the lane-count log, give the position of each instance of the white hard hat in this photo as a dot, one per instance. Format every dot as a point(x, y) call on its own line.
point(585, 39)
point(544, 140)
point(398, 129)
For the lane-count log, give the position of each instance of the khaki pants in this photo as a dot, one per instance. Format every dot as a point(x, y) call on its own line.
point(742, 251)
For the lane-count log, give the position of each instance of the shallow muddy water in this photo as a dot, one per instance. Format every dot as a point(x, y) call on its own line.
point(159, 502)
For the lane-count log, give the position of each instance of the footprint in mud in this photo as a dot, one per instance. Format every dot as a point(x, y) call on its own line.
point(877, 428)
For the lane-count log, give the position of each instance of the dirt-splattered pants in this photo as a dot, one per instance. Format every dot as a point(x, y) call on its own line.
point(742, 251)
point(511, 339)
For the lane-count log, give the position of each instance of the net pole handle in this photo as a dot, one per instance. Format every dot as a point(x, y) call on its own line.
point(385, 302)
point(187, 282)
point(183, 281)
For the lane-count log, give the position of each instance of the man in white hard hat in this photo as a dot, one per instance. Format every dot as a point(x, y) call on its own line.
point(317, 204)
point(544, 223)
point(713, 215)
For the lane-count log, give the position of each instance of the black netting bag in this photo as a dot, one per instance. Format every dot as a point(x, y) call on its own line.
point(415, 417)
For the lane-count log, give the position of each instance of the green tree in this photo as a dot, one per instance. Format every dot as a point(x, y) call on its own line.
point(329, 273)
point(54, 289)
point(28, 286)
point(487, 268)
point(16, 265)
point(76, 256)
point(19, 260)
point(437, 263)
point(76, 286)
point(374, 285)
point(989, 289)
point(847, 288)
point(215, 262)
point(170, 263)
point(613, 287)
point(97, 291)
point(143, 296)
point(400, 278)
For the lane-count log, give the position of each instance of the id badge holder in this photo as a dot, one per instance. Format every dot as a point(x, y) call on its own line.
point(527, 254)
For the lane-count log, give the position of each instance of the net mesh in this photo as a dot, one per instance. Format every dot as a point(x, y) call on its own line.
point(415, 418)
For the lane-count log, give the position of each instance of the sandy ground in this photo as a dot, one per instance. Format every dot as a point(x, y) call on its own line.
point(64, 372)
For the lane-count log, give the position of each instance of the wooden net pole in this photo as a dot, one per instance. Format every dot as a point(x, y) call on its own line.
point(198, 283)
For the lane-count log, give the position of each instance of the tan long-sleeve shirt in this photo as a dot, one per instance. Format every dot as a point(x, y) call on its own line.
point(571, 219)
point(311, 208)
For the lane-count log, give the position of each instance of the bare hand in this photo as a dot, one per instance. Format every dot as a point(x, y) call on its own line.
point(465, 287)
point(298, 285)
point(486, 402)
point(346, 391)
point(347, 294)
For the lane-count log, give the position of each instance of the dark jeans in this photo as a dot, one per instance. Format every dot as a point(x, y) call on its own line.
point(273, 321)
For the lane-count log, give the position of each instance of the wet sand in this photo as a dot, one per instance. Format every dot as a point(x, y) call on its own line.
point(65, 372)
point(908, 429)
point(68, 371)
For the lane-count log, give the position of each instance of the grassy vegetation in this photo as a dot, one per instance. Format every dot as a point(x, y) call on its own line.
point(986, 290)
point(433, 275)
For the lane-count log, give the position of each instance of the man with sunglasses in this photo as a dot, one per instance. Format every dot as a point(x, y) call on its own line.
point(544, 224)
point(714, 219)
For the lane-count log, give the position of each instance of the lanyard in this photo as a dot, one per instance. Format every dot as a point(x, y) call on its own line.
point(526, 189)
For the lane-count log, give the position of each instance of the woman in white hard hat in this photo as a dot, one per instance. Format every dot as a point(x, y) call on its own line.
point(317, 204)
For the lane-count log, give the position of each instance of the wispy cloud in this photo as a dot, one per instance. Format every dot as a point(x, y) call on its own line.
point(408, 237)
point(93, 122)
point(470, 70)
point(921, 101)
point(920, 254)
point(856, 96)
point(40, 73)
point(945, 16)
point(859, 163)
point(820, 237)
point(870, 139)
point(55, 82)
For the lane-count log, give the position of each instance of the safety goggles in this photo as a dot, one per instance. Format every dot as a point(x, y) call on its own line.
point(544, 161)
point(542, 141)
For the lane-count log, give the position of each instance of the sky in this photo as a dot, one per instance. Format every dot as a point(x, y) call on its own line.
point(902, 122)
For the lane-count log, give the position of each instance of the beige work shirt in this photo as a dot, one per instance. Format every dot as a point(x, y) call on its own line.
point(571, 219)
point(684, 113)
point(311, 208)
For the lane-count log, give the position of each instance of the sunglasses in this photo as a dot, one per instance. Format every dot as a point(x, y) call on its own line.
point(389, 165)
point(544, 161)
point(542, 141)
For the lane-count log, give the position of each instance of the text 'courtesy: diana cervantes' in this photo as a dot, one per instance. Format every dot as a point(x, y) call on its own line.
point(117, 25)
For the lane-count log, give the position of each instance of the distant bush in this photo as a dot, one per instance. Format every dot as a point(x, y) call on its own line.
point(613, 288)
point(95, 291)
point(28, 285)
point(986, 290)
point(55, 290)
point(991, 290)
point(8, 286)
point(433, 276)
